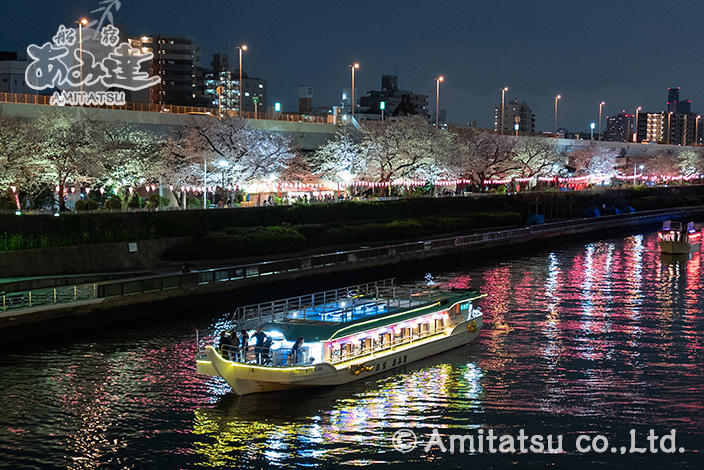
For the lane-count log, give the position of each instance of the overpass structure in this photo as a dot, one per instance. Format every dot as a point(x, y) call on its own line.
point(307, 132)
point(622, 149)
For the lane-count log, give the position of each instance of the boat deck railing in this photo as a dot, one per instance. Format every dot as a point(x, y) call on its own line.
point(280, 357)
point(341, 305)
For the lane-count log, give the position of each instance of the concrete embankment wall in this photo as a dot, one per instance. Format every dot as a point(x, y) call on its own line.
point(84, 259)
point(117, 295)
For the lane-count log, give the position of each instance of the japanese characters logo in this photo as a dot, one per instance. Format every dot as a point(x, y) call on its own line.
point(87, 67)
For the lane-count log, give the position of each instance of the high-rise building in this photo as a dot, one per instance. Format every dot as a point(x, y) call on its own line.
point(253, 89)
point(397, 102)
point(618, 128)
point(655, 127)
point(12, 74)
point(676, 126)
point(176, 61)
point(675, 105)
point(515, 112)
point(305, 99)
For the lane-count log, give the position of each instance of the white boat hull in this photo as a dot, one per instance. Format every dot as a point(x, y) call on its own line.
point(248, 378)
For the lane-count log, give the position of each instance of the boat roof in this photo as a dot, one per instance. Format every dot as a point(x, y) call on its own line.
point(318, 330)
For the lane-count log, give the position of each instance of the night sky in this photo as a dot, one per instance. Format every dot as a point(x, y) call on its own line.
point(623, 52)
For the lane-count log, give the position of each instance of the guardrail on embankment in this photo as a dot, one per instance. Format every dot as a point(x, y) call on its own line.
point(349, 259)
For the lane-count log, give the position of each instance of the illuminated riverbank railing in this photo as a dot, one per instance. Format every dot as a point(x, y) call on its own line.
point(44, 100)
point(319, 263)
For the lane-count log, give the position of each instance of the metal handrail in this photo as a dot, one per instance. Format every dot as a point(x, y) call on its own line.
point(45, 100)
point(163, 282)
point(280, 309)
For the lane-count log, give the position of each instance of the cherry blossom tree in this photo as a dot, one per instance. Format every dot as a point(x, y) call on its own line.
point(689, 162)
point(246, 153)
point(535, 155)
point(340, 159)
point(480, 155)
point(70, 149)
point(593, 160)
point(403, 148)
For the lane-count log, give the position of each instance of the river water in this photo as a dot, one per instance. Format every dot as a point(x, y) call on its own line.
point(593, 338)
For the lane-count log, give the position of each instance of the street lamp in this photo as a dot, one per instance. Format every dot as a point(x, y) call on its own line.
point(669, 115)
point(382, 107)
point(696, 129)
point(503, 92)
point(354, 67)
point(635, 134)
point(601, 105)
point(241, 48)
point(437, 99)
point(81, 23)
point(223, 164)
point(640, 167)
point(558, 97)
point(592, 126)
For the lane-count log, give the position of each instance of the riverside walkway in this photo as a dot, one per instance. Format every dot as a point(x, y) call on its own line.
point(16, 308)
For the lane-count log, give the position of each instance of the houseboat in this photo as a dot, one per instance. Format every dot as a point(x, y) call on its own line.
point(675, 239)
point(343, 335)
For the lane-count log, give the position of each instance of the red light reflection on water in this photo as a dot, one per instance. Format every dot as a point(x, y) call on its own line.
point(600, 329)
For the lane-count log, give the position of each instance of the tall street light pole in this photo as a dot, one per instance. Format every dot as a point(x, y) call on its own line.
point(669, 115)
point(437, 100)
point(354, 67)
point(503, 93)
point(696, 130)
point(241, 48)
point(601, 105)
point(558, 97)
point(81, 23)
point(635, 134)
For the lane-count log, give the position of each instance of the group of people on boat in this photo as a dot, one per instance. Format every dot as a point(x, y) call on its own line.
point(234, 346)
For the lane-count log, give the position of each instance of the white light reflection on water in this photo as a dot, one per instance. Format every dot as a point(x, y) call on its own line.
point(604, 336)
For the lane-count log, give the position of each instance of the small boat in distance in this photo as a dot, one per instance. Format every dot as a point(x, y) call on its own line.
point(675, 239)
point(337, 336)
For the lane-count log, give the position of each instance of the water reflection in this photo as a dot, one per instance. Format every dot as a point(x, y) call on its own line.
point(288, 427)
point(602, 337)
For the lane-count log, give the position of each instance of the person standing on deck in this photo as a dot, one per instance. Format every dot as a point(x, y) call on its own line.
point(225, 345)
point(235, 342)
point(259, 337)
point(294, 356)
point(244, 345)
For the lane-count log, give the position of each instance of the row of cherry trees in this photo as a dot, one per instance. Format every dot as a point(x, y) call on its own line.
point(413, 149)
point(59, 149)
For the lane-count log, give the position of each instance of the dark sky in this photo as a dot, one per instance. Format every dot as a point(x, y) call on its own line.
point(623, 52)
